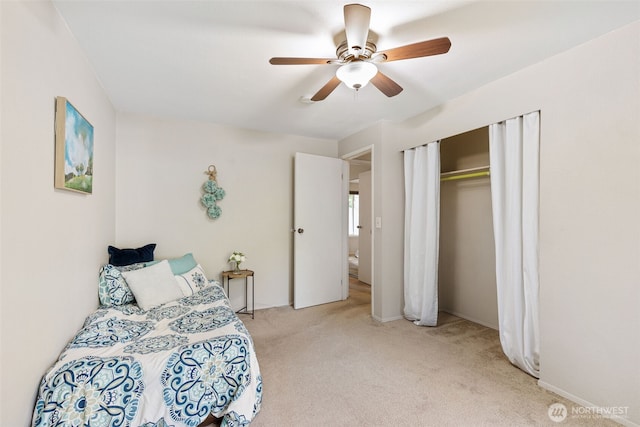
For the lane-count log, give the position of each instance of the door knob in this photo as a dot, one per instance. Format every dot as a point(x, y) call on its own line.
point(300, 230)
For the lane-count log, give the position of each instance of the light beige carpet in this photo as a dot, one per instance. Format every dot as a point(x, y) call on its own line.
point(333, 365)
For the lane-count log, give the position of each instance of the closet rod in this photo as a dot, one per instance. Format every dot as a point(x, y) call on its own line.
point(465, 173)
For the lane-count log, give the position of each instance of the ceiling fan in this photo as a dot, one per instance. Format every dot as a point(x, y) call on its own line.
point(357, 56)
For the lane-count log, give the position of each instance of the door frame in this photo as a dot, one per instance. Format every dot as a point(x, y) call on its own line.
point(347, 157)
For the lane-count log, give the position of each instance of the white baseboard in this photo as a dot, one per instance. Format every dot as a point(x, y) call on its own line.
point(387, 319)
point(619, 419)
point(463, 316)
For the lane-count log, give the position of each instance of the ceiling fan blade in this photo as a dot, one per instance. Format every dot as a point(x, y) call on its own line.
point(417, 50)
point(326, 89)
point(356, 27)
point(386, 85)
point(300, 61)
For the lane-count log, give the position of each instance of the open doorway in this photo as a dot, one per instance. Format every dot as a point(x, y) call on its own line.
point(360, 232)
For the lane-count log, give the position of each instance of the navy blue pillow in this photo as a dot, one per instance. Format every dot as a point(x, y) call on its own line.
point(120, 257)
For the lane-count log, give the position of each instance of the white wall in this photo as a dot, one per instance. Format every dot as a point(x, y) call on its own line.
point(52, 242)
point(467, 264)
point(160, 172)
point(590, 205)
point(1, 215)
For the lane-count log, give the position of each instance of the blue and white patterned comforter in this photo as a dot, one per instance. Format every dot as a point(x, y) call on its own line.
point(172, 365)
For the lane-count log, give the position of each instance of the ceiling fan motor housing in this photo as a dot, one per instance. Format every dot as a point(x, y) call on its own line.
point(344, 55)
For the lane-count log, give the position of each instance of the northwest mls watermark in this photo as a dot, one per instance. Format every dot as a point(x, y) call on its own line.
point(558, 412)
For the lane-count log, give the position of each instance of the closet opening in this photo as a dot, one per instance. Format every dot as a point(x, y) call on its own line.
point(466, 265)
point(452, 210)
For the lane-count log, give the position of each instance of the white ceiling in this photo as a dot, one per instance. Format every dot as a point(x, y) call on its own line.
point(208, 60)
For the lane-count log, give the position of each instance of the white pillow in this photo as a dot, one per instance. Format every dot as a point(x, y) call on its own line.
point(192, 281)
point(153, 285)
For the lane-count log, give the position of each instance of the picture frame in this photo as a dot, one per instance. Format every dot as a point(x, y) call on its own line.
point(74, 149)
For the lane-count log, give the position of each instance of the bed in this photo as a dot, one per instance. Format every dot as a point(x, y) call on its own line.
point(182, 362)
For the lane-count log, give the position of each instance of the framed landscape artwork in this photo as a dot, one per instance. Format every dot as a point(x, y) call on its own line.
point(74, 149)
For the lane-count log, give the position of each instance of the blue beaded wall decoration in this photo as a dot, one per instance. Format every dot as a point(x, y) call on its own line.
point(212, 193)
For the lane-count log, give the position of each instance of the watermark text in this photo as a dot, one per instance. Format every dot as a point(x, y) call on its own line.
point(558, 412)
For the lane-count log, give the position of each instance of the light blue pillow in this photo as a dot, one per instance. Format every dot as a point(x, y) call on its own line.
point(183, 264)
point(180, 265)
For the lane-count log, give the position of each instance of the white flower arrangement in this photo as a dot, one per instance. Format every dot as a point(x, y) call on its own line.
point(238, 258)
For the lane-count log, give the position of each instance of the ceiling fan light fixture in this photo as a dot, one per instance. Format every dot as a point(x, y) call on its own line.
point(356, 74)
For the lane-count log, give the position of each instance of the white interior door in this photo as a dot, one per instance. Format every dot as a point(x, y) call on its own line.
point(364, 233)
point(320, 236)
